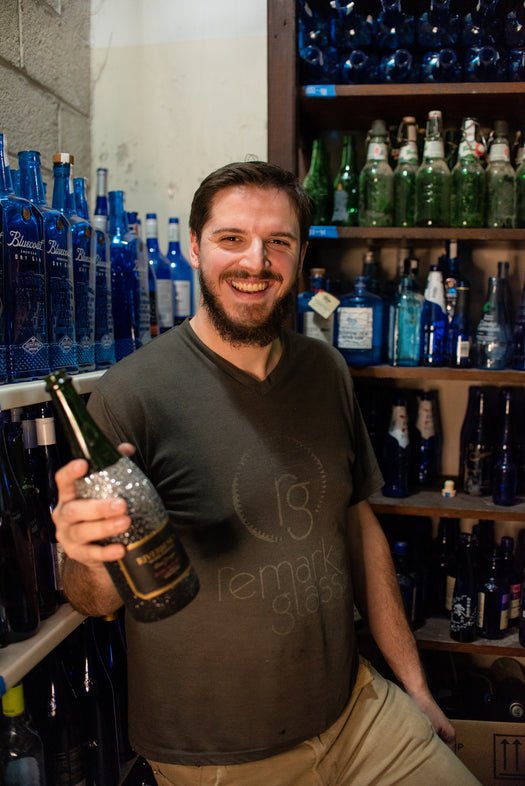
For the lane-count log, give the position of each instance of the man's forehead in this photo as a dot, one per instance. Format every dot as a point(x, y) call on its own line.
point(220, 201)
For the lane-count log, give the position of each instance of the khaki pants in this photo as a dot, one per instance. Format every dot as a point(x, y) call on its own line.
point(380, 739)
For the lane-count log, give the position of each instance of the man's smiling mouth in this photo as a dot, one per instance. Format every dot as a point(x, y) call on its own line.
point(250, 286)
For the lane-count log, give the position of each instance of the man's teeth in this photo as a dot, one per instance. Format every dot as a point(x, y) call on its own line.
point(247, 286)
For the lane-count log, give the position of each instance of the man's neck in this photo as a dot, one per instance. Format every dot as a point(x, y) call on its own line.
point(256, 361)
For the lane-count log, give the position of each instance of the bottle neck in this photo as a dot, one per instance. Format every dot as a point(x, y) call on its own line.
point(117, 223)
point(81, 204)
point(101, 204)
point(31, 185)
point(63, 194)
point(6, 186)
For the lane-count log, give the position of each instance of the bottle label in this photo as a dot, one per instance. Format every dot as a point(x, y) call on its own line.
point(154, 564)
point(499, 151)
point(165, 302)
point(425, 419)
point(463, 616)
point(434, 148)
point(435, 292)
point(45, 431)
point(324, 304)
point(481, 609)
point(316, 326)
point(398, 428)
point(515, 601)
point(377, 151)
point(408, 154)
point(449, 591)
point(355, 328)
point(182, 291)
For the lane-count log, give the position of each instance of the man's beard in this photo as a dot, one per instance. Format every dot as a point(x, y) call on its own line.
point(238, 333)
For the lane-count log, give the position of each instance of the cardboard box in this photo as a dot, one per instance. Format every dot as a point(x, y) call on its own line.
point(494, 752)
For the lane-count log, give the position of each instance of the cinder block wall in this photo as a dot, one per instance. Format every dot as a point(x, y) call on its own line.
point(45, 93)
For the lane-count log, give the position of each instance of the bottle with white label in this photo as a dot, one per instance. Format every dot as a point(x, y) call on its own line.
point(359, 326)
point(433, 178)
point(181, 275)
point(426, 441)
point(312, 319)
point(434, 320)
point(396, 453)
point(162, 269)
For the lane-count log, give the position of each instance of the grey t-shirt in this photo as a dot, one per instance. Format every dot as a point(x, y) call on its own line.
point(257, 478)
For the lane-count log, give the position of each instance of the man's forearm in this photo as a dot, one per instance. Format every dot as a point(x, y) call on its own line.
point(89, 590)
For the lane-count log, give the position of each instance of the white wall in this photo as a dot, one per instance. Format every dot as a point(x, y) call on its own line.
point(179, 89)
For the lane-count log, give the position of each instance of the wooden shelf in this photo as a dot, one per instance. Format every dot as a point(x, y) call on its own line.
point(428, 373)
point(432, 503)
point(423, 234)
point(434, 635)
point(17, 659)
point(24, 394)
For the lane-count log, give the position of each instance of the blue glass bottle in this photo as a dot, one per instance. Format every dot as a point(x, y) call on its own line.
point(398, 67)
point(515, 27)
point(434, 321)
point(310, 322)
point(348, 28)
point(24, 293)
point(482, 26)
point(438, 27)
point(84, 273)
point(404, 343)
point(101, 201)
point(459, 331)
point(505, 469)
point(162, 269)
point(396, 453)
point(425, 443)
point(181, 274)
point(15, 180)
point(394, 28)
point(442, 65)
point(58, 254)
point(134, 225)
point(493, 602)
point(135, 240)
point(124, 279)
point(485, 64)
point(518, 336)
point(359, 326)
point(359, 68)
point(516, 65)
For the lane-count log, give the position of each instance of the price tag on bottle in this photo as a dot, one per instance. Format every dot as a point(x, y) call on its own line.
point(324, 304)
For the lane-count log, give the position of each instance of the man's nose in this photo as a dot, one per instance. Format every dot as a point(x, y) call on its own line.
point(255, 256)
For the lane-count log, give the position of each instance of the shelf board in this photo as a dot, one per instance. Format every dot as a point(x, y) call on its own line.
point(17, 659)
point(434, 635)
point(472, 375)
point(423, 234)
point(25, 394)
point(432, 503)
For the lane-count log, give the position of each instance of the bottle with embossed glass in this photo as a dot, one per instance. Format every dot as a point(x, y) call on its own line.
point(376, 181)
point(500, 179)
point(433, 178)
point(154, 578)
point(405, 174)
point(318, 184)
point(23, 268)
point(467, 197)
point(346, 187)
point(84, 274)
point(181, 274)
point(491, 341)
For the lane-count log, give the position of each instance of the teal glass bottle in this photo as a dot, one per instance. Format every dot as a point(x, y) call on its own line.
point(405, 175)
point(26, 354)
point(319, 185)
point(181, 274)
point(433, 178)
point(500, 180)
point(346, 187)
point(376, 181)
point(405, 325)
point(124, 279)
point(58, 255)
point(467, 198)
point(84, 274)
point(161, 266)
point(359, 326)
point(309, 321)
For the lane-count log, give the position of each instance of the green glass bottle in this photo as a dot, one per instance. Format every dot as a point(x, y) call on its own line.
point(376, 181)
point(467, 198)
point(405, 175)
point(520, 185)
point(346, 187)
point(433, 178)
point(318, 184)
point(154, 578)
point(500, 180)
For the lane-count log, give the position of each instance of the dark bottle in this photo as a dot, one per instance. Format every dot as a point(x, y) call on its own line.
point(506, 302)
point(434, 320)
point(508, 680)
point(476, 467)
point(442, 65)
point(57, 714)
point(521, 632)
point(109, 641)
point(140, 774)
point(459, 333)
point(359, 67)
point(505, 471)
point(443, 566)
point(396, 453)
point(463, 616)
point(437, 27)
point(348, 28)
point(19, 614)
point(517, 356)
point(154, 578)
point(21, 749)
point(394, 28)
point(404, 578)
point(24, 284)
point(493, 602)
point(426, 441)
point(511, 577)
point(485, 64)
point(398, 67)
point(84, 274)
point(318, 184)
point(346, 187)
point(125, 285)
point(58, 253)
point(482, 26)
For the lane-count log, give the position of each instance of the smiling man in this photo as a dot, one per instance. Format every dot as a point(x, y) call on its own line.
point(253, 438)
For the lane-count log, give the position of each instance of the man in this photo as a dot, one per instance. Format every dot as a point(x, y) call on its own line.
point(252, 436)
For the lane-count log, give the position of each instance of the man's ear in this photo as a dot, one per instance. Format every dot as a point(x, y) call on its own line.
point(194, 250)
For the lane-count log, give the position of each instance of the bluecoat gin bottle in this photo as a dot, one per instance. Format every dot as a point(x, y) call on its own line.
point(21, 749)
point(143, 312)
point(309, 321)
point(433, 178)
point(405, 174)
point(404, 341)
point(181, 274)
point(396, 453)
point(500, 179)
point(359, 326)
point(23, 267)
point(125, 285)
point(318, 184)
point(83, 260)
point(376, 181)
point(346, 187)
point(467, 198)
point(434, 321)
point(58, 253)
point(104, 329)
point(161, 267)
point(155, 578)
point(463, 615)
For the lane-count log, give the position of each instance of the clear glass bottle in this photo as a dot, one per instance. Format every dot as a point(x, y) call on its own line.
point(433, 178)
point(434, 321)
point(376, 181)
point(161, 266)
point(58, 254)
point(467, 197)
point(149, 593)
point(404, 342)
point(359, 326)
point(346, 186)
point(21, 749)
point(124, 279)
point(500, 179)
point(309, 321)
point(84, 272)
point(396, 452)
point(463, 616)
point(405, 174)
point(181, 274)
point(520, 189)
point(491, 340)
point(319, 185)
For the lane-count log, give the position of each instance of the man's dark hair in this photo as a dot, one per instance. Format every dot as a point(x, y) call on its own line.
point(250, 173)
